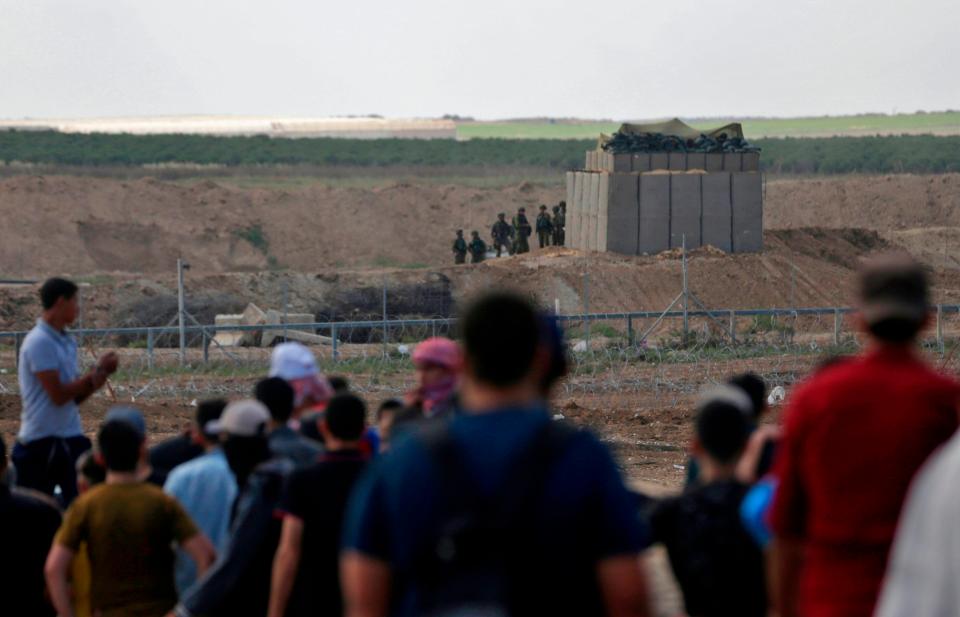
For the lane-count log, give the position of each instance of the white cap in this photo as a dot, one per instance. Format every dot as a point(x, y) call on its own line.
point(291, 361)
point(246, 418)
point(730, 395)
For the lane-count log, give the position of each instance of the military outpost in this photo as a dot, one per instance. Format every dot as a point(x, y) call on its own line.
point(648, 188)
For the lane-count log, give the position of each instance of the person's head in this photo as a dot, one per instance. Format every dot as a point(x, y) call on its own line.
point(339, 383)
point(722, 427)
point(58, 297)
point(386, 414)
point(121, 445)
point(555, 348)
point(502, 351)
point(207, 412)
point(522, 210)
point(475, 234)
point(242, 429)
point(502, 215)
point(556, 209)
point(893, 298)
point(90, 472)
point(296, 365)
point(543, 208)
point(344, 421)
point(437, 361)
point(755, 388)
point(460, 233)
point(277, 396)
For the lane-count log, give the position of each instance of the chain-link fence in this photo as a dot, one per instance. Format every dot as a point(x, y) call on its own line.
point(664, 355)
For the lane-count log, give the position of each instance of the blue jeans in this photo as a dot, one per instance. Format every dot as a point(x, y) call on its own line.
point(45, 463)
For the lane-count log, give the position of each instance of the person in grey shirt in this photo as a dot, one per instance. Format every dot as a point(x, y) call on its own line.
point(51, 436)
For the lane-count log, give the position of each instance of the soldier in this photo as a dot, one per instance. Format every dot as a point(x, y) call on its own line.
point(559, 221)
point(523, 230)
point(502, 234)
point(478, 248)
point(459, 248)
point(544, 227)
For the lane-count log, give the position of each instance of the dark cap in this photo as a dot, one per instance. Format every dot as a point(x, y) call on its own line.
point(542, 207)
point(501, 214)
point(893, 286)
point(521, 210)
point(459, 231)
point(475, 233)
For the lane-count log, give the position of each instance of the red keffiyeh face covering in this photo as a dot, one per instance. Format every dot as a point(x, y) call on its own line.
point(437, 392)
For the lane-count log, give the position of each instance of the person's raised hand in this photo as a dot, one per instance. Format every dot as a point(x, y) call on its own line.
point(108, 363)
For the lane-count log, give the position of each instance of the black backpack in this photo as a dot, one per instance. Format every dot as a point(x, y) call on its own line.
point(480, 562)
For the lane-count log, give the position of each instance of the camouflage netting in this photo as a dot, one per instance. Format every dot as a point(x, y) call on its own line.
point(675, 136)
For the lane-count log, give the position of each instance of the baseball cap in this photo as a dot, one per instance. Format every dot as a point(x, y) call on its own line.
point(130, 416)
point(893, 286)
point(292, 361)
point(438, 351)
point(245, 418)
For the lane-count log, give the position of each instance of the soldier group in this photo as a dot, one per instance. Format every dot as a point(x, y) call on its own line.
point(514, 236)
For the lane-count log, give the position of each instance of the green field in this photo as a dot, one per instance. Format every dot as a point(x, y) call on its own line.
point(937, 123)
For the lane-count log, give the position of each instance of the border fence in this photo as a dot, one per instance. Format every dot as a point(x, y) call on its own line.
point(610, 352)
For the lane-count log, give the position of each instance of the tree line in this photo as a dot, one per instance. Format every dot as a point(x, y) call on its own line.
point(832, 155)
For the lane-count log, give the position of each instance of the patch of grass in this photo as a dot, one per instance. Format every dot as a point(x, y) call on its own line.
point(255, 235)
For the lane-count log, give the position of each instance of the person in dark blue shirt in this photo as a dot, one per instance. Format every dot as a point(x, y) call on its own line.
point(500, 508)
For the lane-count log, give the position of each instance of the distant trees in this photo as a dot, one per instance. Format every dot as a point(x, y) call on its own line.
point(835, 155)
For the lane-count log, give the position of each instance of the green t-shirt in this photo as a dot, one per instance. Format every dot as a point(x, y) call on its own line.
point(129, 530)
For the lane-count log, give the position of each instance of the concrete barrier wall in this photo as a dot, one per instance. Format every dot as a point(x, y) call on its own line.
point(713, 162)
point(696, 160)
point(717, 211)
point(603, 196)
point(654, 236)
point(659, 160)
point(685, 210)
point(640, 162)
point(623, 214)
point(747, 200)
point(593, 204)
point(751, 161)
point(732, 161)
point(572, 236)
point(571, 203)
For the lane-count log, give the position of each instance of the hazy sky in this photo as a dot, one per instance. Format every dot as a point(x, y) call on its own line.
point(491, 59)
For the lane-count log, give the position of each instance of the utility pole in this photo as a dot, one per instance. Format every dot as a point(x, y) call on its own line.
point(181, 311)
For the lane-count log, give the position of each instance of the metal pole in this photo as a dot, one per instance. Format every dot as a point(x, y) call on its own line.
point(385, 353)
point(180, 313)
point(940, 345)
point(686, 299)
point(733, 326)
point(630, 335)
point(333, 341)
point(836, 326)
point(16, 350)
point(286, 311)
point(206, 347)
point(586, 306)
point(150, 348)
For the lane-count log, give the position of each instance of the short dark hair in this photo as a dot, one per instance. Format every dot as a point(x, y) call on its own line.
point(339, 383)
point(346, 417)
point(3, 454)
point(120, 445)
point(55, 288)
point(896, 329)
point(90, 468)
point(754, 387)
point(391, 404)
point(500, 337)
point(722, 429)
point(208, 411)
point(277, 395)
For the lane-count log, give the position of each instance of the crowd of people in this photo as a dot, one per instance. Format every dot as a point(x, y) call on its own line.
point(513, 237)
point(467, 497)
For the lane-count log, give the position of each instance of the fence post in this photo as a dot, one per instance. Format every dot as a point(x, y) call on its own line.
point(940, 345)
point(630, 335)
point(385, 352)
point(836, 326)
point(150, 348)
point(333, 339)
point(16, 350)
point(733, 326)
point(206, 347)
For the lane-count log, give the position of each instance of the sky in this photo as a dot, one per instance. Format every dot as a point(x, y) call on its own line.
point(614, 59)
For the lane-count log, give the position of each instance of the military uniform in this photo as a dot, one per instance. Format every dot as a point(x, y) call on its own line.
point(502, 234)
point(478, 249)
point(559, 222)
point(459, 249)
point(544, 227)
point(523, 230)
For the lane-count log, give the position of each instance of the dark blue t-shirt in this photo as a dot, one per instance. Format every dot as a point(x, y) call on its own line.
point(584, 513)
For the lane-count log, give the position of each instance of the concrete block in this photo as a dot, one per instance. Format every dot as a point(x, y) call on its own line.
point(622, 163)
point(696, 160)
point(654, 213)
point(747, 206)
point(640, 162)
point(714, 161)
point(732, 161)
point(678, 161)
point(659, 160)
point(717, 216)
point(751, 161)
point(574, 212)
point(589, 234)
point(623, 214)
point(587, 159)
point(685, 210)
